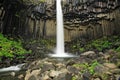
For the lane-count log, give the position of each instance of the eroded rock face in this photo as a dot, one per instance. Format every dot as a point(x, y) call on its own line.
point(86, 19)
point(82, 19)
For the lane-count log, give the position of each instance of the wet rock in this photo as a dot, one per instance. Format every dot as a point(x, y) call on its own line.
point(54, 73)
point(70, 62)
point(47, 66)
point(12, 74)
point(8, 76)
point(118, 63)
point(60, 75)
point(60, 66)
point(32, 78)
point(101, 69)
point(117, 77)
point(111, 52)
point(86, 76)
point(46, 77)
point(63, 76)
point(34, 73)
point(101, 53)
point(21, 76)
point(110, 65)
point(97, 79)
point(73, 70)
point(112, 77)
point(54, 69)
point(88, 53)
point(115, 71)
point(34, 65)
point(107, 56)
point(83, 59)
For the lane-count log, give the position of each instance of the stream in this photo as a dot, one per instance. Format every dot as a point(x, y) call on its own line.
point(12, 68)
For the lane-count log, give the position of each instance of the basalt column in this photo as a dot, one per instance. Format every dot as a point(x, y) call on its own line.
point(88, 19)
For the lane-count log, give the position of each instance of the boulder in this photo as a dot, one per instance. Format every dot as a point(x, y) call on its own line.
point(88, 53)
point(60, 66)
point(97, 79)
point(73, 70)
point(32, 75)
point(47, 66)
point(110, 65)
point(54, 73)
point(64, 76)
point(46, 77)
point(32, 78)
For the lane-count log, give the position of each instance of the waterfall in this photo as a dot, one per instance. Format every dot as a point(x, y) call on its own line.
point(60, 30)
point(60, 51)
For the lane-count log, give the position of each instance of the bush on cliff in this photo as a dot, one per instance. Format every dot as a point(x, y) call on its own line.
point(10, 48)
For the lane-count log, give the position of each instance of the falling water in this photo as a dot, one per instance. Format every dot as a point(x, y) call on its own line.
point(60, 32)
point(60, 51)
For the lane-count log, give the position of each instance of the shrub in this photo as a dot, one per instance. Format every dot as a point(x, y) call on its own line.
point(10, 48)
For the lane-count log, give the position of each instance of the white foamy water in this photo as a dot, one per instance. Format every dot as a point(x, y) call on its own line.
point(60, 50)
point(12, 68)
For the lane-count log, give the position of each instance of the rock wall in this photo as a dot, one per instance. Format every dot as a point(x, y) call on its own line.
point(104, 27)
point(88, 19)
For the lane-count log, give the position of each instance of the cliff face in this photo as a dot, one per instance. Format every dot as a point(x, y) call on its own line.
point(92, 18)
point(86, 19)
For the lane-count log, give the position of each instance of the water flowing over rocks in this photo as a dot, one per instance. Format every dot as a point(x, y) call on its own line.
point(67, 69)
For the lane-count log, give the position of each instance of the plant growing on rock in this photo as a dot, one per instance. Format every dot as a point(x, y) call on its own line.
point(33, 1)
point(74, 78)
point(101, 44)
point(87, 67)
point(10, 48)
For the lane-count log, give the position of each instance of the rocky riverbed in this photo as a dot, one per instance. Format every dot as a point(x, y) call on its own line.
point(87, 66)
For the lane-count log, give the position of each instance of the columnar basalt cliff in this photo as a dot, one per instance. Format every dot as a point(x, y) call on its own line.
point(91, 19)
point(86, 19)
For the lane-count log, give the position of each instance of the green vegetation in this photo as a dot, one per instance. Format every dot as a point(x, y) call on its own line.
point(101, 44)
point(48, 43)
point(74, 78)
point(33, 1)
point(10, 48)
point(103, 76)
point(87, 67)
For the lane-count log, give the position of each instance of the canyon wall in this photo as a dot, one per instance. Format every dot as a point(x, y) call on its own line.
point(87, 19)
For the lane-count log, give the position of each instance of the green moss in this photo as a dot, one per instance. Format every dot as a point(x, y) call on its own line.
point(87, 67)
point(104, 76)
point(118, 49)
point(118, 64)
point(33, 1)
point(74, 78)
point(44, 43)
point(49, 43)
point(81, 49)
point(100, 44)
point(10, 48)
